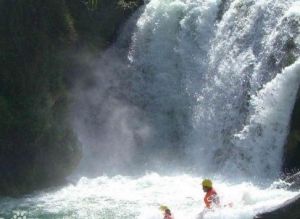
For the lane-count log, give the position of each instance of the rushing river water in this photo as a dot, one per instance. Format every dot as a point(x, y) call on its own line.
point(122, 197)
point(206, 86)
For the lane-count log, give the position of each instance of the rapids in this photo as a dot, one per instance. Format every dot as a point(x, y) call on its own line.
point(192, 89)
point(123, 197)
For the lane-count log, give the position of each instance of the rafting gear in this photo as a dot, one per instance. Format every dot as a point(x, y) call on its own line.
point(207, 183)
point(163, 208)
point(211, 198)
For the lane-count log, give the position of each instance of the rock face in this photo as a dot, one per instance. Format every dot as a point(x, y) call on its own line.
point(291, 208)
point(37, 39)
point(37, 145)
point(288, 210)
point(292, 147)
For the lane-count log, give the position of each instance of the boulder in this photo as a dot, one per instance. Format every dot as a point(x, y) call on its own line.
point(291, 160)
point(288, 210)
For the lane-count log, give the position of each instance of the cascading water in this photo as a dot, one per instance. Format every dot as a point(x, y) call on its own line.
point(204, 87)
point(244, 103)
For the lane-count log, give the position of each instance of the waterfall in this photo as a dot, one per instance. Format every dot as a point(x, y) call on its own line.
point(246, 99)
point(205, 85)
point(191, 89)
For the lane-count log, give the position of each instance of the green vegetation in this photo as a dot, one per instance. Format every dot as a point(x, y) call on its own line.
point(37, 37)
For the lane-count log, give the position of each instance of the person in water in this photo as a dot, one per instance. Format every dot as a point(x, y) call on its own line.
point(167, 212)
point(211, 198)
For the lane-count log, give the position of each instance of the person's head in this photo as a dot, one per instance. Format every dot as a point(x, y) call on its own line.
point(165, 209)
point(207, 185)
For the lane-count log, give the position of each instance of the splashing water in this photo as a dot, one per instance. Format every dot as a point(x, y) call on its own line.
point(122, 197)
point(205, 84)
point(245, 102)
point(209, 85)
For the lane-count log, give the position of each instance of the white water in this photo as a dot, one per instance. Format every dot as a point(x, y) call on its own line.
point(243, 107)
point(122, 197)
point(213, 96)
point(210, 97)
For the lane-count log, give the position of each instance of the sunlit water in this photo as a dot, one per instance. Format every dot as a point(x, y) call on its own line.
point(125, 197)
point(191, 83)
point(224, 89)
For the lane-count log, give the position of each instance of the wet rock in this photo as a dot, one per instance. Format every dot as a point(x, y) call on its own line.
point(288, 210)
point(292, 146)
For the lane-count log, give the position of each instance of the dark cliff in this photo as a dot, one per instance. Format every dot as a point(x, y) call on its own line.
point(37, 39)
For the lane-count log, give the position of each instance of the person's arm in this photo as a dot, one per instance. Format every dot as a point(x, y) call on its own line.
point(216, 200)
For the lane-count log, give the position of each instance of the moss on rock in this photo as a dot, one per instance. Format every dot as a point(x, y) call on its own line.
point(37, 38)
point(36, 141)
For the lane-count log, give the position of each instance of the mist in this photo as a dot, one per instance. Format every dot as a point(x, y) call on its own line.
point(155, 102)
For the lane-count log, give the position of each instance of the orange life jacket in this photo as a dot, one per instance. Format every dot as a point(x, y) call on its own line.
point(211, 198)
